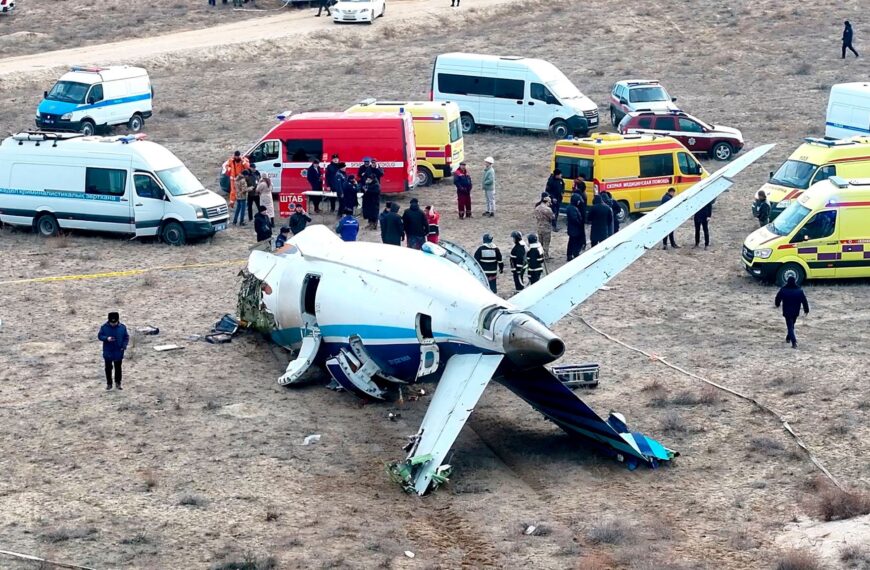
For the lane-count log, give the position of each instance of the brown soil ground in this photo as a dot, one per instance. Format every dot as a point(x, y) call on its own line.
point(103, 478)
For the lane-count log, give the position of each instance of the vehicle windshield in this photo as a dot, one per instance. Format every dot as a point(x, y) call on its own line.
point(68, 92)
point(647, 94)
point(179, 181)
point(786, 222)
point(794, 174)
point(455, 130)
point(564, 89)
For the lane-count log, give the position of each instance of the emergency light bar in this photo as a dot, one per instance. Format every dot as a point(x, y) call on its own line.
point(87, 68)
point(132, 138)
point(838, 182)
point(829, 142)
point(284, 116)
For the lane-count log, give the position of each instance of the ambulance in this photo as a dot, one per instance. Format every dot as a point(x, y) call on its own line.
point(823, 234)
point(437, 131)
point(814, 161)
point(636, 169)
point(289, 148)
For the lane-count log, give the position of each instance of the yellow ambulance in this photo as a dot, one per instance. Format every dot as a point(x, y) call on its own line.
point(824, 234)
point(437, 130)
point(814, 161)
point(636, 169)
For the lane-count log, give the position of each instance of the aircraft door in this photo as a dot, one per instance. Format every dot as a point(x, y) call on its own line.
point(429, 352)
point(309, 300)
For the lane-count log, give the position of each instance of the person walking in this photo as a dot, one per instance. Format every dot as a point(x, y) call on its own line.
point(263, 225)
point(371, 200)
point(544, 218)
point(667, 197)
point(488, 255)
point(462, 181)
point(434, 219)
point(556, 190)
point(264, 191)
point(323, 4)
point(792, 298)
point(600, 221)
point(347, 227)
point(234, 166)
point(488, 184)
point(847, 39)
point(392, 226)
point(115, 339)
point(415, 225)
point(283, 236)
point(701, 220)
point(519, 264)
point(241, 188)
point(535, 257)
point(313, 174)
point(330, 174)
point(575, 228)
point(761, 209)
point(298, 220)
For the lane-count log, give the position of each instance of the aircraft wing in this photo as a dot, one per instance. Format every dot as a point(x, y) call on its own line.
point(558, 293)
point(464, 378)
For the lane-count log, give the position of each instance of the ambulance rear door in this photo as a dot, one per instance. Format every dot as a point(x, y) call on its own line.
point(854, 241)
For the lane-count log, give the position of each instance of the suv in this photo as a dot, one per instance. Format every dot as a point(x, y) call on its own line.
point(716, 141)
point(638, 95)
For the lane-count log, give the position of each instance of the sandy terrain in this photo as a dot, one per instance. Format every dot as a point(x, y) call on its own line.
point(199, 461)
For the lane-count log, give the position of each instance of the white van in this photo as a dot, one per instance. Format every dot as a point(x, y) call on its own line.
point(121, 184)
point(87, 98)
point(512, 92)
point(848, 111)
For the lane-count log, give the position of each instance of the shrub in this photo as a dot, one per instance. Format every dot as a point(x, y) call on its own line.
point(798, 560)
point(610, 531)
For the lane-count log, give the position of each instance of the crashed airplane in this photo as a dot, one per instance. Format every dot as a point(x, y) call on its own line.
point(378, 317)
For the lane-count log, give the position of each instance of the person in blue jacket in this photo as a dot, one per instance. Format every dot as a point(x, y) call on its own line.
point(348, 226)
point(115, 338)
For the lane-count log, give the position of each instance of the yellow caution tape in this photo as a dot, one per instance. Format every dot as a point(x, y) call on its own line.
point(126, 273)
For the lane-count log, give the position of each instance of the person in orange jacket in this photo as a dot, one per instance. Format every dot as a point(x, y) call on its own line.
point(433, 217)
point(233, 167)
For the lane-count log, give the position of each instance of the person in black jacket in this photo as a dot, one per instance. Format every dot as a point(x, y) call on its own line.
point(556, 189)
point(792, 298)
point(489, 257)
point(518, 260)
point(313, 175)
point(283, 236)
point(416, 225)
point(263, 225)
point(665, 199)
point(535, 255)
point(600, 221)
point(614, 206)
point(321, 4)
point(847, 39)
point(701, 219)
point(331, 171)
point(298, 220)
point(371, 200)
point(576, 228)
point(392, 226)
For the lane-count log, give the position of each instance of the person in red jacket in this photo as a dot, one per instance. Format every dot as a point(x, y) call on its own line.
point(433, 217)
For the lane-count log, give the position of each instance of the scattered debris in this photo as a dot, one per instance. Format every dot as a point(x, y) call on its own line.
point(148, 331)
point(194, 337)
point(584, 375)
point(165, 347)
point(530, 529)
point(228, 324)
point(403, 472)
point(310, 439)
point(218, 338)
point(393, 417)
point(409, 554)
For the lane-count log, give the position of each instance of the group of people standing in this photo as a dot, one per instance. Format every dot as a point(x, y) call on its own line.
point(463, 183)
point(250, 191)
point(523, 258)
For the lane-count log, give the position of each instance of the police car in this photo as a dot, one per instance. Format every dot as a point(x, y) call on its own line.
point(716, 141)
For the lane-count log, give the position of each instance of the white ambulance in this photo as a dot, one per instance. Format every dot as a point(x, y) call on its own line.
point(120, 184)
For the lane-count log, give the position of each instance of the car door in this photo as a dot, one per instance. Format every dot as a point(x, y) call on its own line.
point(665, 126)
point(692, 135)
point(509, 101)
point(267, 158)
point(690, 171)
point(817, 245)
point(149, 204)
point(541, 106)
point(102, 114)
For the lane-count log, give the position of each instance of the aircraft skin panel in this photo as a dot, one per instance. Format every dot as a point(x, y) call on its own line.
point(461, 385)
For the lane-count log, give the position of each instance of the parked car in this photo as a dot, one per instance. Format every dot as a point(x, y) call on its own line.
point(631, 95)
point(6, 6)
point(358, 10)
point(716, 141)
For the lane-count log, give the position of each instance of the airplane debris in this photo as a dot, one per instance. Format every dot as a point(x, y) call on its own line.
point(530, 529)
point(148, 331)
point(218, 338)
point(393, 417)
point(405, 472)
point(583, 375)
point(228, 324)
point(311, 439)
point(409, 554)
point(167, 347)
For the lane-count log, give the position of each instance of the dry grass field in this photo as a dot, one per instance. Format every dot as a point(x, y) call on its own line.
point(199, 463)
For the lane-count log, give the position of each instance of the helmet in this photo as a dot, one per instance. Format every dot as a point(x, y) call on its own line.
point(533, 238)
point(516, 235)
point(487, 238)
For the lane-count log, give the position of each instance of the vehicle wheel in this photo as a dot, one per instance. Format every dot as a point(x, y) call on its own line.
point(173, 234)
point(47, 225)
point(136, 123)
point(560, 129)
point(468, 124)
point(424, 177)
point(624, 213)
point(613, 120)
point(790, 270)
point(722, 151)
point(88, 128)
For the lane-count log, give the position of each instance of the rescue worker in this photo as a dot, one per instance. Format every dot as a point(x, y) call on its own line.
point(579, 187)
point(761, 209)
point(556, 189)
point(392, 226)
point(234, 166)
point(299, 219)
point(262, 225)
point(667, 197)
point(519, 264)
point(575, 228)
point(371, 200)
point(792, 298)
point(240, 185)
point(535, 257)
point(347, 227)
point(115, 339)
point(349, 192)
point(329, 175)
point(462, 181)
point(383, 214)
point(701, 220)
point(488, 184)
point(600, 221)
point(323, 4)
point(544, 218)
point(847, 39)
point(614, 207)
point(415, 225)
point(377, 170)
point(489, 258)
point(433, 218)
point(313, 174)
point(264, 191)
point(283, 236)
